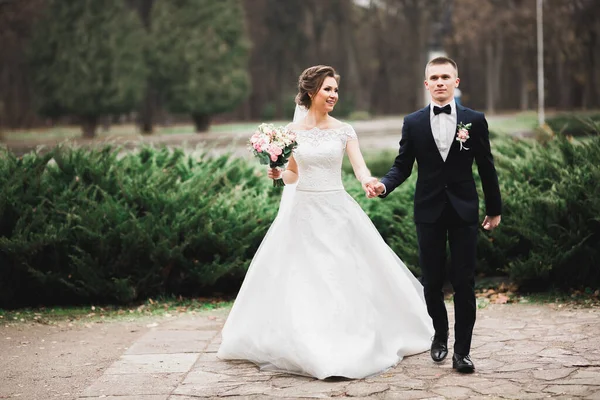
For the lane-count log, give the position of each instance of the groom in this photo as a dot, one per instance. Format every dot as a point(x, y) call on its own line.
point(444, 138)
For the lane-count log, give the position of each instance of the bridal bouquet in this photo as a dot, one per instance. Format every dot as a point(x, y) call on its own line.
point(273, 145)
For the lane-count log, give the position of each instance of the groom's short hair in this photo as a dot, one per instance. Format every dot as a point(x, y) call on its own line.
point(441, 61)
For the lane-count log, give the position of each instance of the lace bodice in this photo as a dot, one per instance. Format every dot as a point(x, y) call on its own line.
point(319, 155)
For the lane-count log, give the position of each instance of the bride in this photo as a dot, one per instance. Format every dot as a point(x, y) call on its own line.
point(324, 295)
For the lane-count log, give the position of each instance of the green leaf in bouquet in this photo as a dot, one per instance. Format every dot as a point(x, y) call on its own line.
point(264, 158)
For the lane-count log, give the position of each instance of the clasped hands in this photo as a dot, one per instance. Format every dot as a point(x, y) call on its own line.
point(372, 187)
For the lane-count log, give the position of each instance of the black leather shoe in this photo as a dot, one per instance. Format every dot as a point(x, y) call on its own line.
point(439, 348)
point(463, 364)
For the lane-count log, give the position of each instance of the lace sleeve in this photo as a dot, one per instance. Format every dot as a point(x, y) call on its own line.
point(350, 133)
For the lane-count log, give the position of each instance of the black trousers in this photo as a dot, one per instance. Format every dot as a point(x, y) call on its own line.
point(462, 238)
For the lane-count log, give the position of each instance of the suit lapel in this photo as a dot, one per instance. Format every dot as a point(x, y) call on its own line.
point(460, 117)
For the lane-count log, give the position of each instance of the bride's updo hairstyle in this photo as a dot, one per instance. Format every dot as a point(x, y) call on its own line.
point(311, 80)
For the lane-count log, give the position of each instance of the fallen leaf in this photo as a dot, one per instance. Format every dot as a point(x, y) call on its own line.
point(501, 299)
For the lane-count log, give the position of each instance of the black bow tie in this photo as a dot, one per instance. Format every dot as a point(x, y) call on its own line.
point(446, 109)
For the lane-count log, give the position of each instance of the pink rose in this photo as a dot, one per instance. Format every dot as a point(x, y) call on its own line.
point(274, 157)
point(463, 134)
point(274, 150)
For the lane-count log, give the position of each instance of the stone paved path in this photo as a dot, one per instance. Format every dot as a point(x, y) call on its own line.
point(521, 352)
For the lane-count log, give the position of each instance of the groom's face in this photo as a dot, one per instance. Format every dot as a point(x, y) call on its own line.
point(441, 80)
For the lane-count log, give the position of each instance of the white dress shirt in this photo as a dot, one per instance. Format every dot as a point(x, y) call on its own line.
point(443, 127)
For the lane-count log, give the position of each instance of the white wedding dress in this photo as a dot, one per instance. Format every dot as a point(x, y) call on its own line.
point(324, 295)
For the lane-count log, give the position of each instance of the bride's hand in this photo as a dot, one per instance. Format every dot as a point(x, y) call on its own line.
point(274, 173)
point(368, 186)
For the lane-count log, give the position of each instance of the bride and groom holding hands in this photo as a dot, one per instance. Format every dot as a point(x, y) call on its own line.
point(324, 295)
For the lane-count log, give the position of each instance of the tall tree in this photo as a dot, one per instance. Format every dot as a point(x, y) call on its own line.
point(86, 58)
point(200, 54)
point(16, 21)
point(149, 102)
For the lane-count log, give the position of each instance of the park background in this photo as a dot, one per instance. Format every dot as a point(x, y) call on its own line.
point(124, 172)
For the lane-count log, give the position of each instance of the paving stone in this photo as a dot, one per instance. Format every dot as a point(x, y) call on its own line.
point(524, 396)
point(593, 396)
point(364, 389)
point(565, 360)
point(487, 365)
point(407, 395)
point(520, 352)
point(201, 390)
point(454, 392)
point(197, 324)
point(554, 352)
point(152, 363)
point(524, 366)
point(164, 342)
point(571, 390)
point(553, 374)
point(133, 384)
point(312, 389)
point(592, 372)
point(136, 397)
point(523, 348)
point(286, 381)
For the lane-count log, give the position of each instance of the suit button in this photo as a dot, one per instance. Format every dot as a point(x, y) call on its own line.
point(446, 186)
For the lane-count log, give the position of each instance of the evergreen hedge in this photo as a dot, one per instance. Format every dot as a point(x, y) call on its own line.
point(81, 225)
point(574, 124)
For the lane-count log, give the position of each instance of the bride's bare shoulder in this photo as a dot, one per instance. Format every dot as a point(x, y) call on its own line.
point(334, 123)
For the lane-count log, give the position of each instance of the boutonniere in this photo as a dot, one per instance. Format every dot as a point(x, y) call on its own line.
point(463, 134)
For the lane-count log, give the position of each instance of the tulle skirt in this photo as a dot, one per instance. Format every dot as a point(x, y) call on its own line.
point(325, 296)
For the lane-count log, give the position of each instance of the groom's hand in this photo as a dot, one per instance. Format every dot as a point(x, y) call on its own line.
point(490, 223)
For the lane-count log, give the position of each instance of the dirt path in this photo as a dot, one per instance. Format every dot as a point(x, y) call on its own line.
point(59, 361)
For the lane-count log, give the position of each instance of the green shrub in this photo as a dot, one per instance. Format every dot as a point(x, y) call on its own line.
point(575, 124)
point(89, 225)
point(550, 232)
point(101, 225)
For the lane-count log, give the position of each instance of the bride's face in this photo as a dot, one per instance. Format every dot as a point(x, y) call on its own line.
point(324, 100)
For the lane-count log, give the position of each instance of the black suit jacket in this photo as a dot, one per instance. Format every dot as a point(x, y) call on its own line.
point(439, 182)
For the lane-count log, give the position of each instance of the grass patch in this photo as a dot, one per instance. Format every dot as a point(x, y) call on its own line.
point(160, 307)
point(125, 130)
point(520, 122)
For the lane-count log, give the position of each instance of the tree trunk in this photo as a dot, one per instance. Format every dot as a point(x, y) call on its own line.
point(564, 89)
point(147, 111)
point(590, 100)
point(524, 98)
point(201, 122)
point(88, 127)
point(498, 61)
point(489, 79)
point(360, 99)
